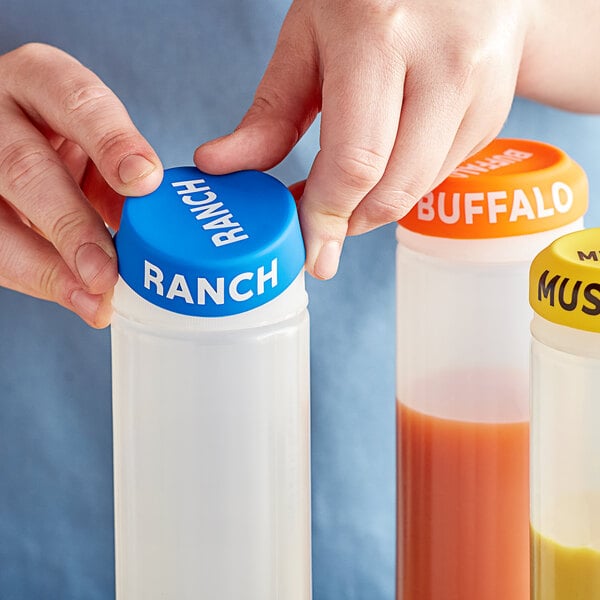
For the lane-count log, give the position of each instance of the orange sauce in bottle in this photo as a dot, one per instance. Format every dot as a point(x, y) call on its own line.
point(463, 513)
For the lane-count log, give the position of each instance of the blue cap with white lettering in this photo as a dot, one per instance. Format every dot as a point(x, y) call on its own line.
point(211, 245)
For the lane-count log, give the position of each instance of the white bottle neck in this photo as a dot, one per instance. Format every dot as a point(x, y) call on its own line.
point(566, 339)
point(517, 248)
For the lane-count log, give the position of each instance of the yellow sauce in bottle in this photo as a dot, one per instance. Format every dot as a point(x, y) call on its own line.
point(561, 572)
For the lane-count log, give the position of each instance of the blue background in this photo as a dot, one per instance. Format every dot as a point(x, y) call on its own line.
point(187, 70)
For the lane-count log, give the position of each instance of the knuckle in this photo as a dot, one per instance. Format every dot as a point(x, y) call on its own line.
point(83, 97)
point(263, 104)
point(325, 217)
point(22, 165)
point(48, 278)
point(460, 64)
point(336, 218)
point(266, 103)
point(358, 168)
point(464, 75)
point(67, 228)
point(115, 143)
point(271, 106)
point(387, 207)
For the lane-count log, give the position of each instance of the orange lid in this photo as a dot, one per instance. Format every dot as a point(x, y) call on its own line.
point(511, 187)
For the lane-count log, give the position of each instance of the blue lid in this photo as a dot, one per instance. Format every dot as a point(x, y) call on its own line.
point(211, 245)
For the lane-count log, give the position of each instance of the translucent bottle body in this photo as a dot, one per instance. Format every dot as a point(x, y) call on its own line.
point(463, 409)
point(211, 451)
point(565, 462)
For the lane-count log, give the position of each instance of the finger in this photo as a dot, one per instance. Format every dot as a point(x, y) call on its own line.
point(56, 89)
point(100, 195)
point(29, 264)
point(74, 158)
point(287, 101)
point(37, 183)
point(107, 202)
point(362, 98)
point(464, 146)
point(429, 122)
point(481, 124)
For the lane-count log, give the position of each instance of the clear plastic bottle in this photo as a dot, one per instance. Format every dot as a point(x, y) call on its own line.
point(210, 340)
point(462, 368)
point(565, 445)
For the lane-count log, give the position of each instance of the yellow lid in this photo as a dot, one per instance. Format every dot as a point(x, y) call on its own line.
point(511, 187)
point(564, 281)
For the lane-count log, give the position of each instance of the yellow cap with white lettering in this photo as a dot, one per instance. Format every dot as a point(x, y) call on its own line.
point(511, 187)
point(564, 281)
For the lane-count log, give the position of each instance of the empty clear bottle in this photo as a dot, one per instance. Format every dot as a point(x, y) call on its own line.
point(462, 368)
point(211, 392)
point(565, 445)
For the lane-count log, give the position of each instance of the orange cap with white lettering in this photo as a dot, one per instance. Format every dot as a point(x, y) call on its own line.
point(511, 187)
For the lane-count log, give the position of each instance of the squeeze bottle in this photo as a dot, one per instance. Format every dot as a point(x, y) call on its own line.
point(462, 368)
point(211, 392)
point(565, 446)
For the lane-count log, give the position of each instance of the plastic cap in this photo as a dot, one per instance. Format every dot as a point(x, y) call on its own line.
point(511, 187)
point(211, 245)
point(564, 281)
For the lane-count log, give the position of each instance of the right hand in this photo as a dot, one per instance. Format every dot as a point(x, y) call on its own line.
point(69, 154)
point(407, 90)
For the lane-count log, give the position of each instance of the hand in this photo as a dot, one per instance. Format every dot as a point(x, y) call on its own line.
point(407, 90)
point(69, 153)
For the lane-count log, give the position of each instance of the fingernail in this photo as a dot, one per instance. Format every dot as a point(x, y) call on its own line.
point(328, 260)
point(86, 304)
point(91, 260)
point(134, 167)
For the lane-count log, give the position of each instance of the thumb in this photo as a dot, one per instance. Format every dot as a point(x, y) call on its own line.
point(286, 102)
